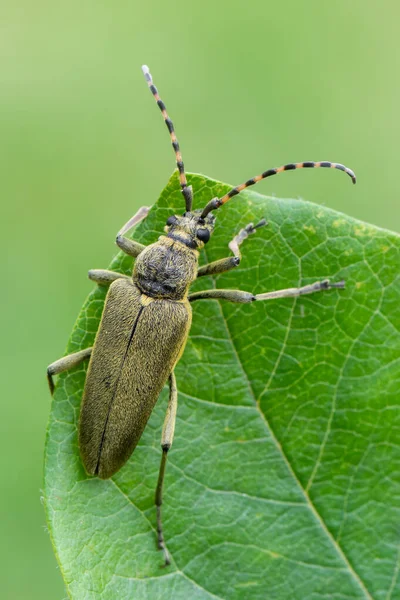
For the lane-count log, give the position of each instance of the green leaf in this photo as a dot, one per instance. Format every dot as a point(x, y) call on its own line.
point(283, 480)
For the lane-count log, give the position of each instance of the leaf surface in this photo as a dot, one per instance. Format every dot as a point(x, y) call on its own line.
point(283, 480)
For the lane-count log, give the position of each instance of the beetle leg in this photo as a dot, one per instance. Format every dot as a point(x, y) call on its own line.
point(226, 264)
point(128, 246)
point(65, 363)
point(246, 297)
point(318, 286)
point(137, 217)
point(104, 277)
point(166, 443)
point(219, 266)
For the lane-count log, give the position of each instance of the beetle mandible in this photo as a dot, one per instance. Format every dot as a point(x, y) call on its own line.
point(146, 322)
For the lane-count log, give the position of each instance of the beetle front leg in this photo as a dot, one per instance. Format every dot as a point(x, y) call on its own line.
point(128, 246)
point(166, 443)
point(246, 297)
point(65, 363)
point(105, 277)
point(226, 264)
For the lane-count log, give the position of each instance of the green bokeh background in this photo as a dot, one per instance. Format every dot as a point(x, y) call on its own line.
point(249, 85)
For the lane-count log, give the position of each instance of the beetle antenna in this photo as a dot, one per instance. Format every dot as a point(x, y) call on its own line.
point(186, 190)
point(217, 202)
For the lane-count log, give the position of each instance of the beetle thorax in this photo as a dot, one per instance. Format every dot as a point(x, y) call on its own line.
point(166, 269)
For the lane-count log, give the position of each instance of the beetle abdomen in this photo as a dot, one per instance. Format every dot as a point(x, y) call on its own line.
point(137, 345)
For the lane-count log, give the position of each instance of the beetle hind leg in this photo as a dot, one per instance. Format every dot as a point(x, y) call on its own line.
point(65, 363)
point(166, 443)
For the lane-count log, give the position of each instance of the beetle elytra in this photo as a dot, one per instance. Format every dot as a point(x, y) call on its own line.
point(146, 322)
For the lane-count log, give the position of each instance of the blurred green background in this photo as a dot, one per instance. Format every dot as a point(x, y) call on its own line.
point(249, 85)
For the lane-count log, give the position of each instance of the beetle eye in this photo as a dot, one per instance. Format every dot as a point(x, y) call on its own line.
point(172, 220)
point(203, 235)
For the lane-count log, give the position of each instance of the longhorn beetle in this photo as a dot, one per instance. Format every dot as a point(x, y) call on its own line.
point(146, 322)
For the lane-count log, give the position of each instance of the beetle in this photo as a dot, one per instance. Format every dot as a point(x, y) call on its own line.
point(146, 321)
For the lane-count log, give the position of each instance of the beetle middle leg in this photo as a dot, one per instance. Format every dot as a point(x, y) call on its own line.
point(226, 264)
point(65, 363)
point(242, 297)
point(167, 437)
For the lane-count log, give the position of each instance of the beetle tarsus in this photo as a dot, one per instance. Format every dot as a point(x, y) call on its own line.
point(160, 539)
point(158, 501)
point(50, 381)
point(339, 284)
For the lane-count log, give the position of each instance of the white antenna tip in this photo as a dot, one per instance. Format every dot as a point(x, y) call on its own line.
point(146, 73)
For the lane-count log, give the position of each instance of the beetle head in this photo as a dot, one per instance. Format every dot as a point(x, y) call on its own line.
point(191, 228)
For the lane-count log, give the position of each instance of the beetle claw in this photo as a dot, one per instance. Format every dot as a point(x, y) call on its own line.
point(167, 558)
